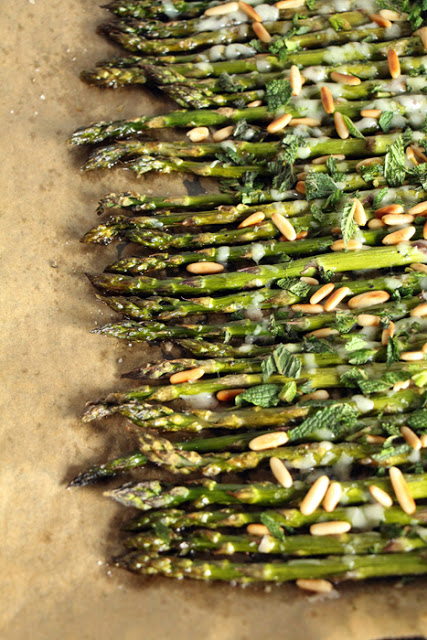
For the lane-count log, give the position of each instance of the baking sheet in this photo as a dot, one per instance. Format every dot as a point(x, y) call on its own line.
point(55, 580)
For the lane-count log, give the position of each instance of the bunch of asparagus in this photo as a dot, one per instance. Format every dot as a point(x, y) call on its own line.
point(293, 296)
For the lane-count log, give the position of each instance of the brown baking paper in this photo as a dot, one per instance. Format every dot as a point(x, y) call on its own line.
point(56, 543)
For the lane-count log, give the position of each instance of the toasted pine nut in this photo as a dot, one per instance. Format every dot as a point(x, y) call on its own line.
point(309, 280)
point(425, 231)
point(423, 439)
point(419, 266)
point(300, 187)
point(368, 299)
point(250, 11)
point(352, 245)
point(419, 153)
point(284, 226)
point(337, 296)
point(380, 20)
point(321, 293)
point(400, 385)
point(255, 103)
point(310, 122)
point(261, 32)
point(401, 490)
point(332, 497)
point(419, 209)
point(222, 134)
point(375, 223)
point(411, 438)
point(319, 394)
point(301, 235)
point(222, 9)
point(393, 63)
point(370, 439)
point(290, 4)
point(314, 496)
point(393, 219)
point(205, 268)
point(412, 356)
point(340, 126)
point(325, 332)
point(380, 496)
point(359, 214)
point(424, 349)
point(269, 441)
point(420, 311)
point(389, 209)
point(317, 585)
point(423, 35)
point(327, 100)
point(281, 473)
point(279, 123)
point(323, 159)
point(255, 529)
point(370, 113)
point(411, 156)
point(389, 14)
point(187, 376)
point(302, 175)
point(387, 333)
point(336, 231)
point(344, 78)
point(198, 134)
point(368, 161)
point(254, 218)
point(295, 80)
point(396, 237)
point(227, 395)
point(331, 528)
point(307, 308)
point(368, 320)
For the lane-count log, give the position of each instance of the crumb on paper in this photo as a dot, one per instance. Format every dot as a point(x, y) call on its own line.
point(42, 96)
point(120, 360)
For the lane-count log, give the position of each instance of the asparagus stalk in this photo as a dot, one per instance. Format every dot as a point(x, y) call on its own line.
point(141, 202)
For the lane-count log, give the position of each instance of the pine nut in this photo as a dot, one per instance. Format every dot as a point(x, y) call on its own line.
point(332, 497)
point(411, 438)
point(375, 223)
point(261, 32)
point(366, 162)
point(336, 231)
point(205, 268)
point(389, 209)
point(307, 308)
point(279, 123)
point(187, 376)
point(396, 237)
point(419, 153)
point(368, 299)
point(223, 134)
point(370, 113)
point(344, 78)
point(419, 266)
point(321, 293)
point(310, 122)
point(255, 103)
point(420, 311)
point(411, 156)
point(412, 356)
point(423, 35)
point(424, 348)
point(331, 528)
point(317, 585)
point(423, 439)
point(314, 496)
point(419, 209)
point(302, 175)
point(253, 219)
point(380, 496)
point(393, 63)
point(295, 80)
point(228, 395)
point(222, 9)
point(340, 126)
point(401, 490)
point(370, 439)
point(281, 473)
point(284, 226)
point(290, 4)
point(400, 385)
point(327, 100)
point(359, 214)
point(389, 14)
point(380, 20)
point(301, 235)
point(256, 529)
point(393, 219)
point(352, 245)
point(387, 333)
point(325, 332)
point(368, 320)
point(269, 441)
point(198, 134)
point(319, 394)
point(425, 231)
point(250, 11)
point(308, 280)
point(337, 296)
point(323, 159)
point(300, 187)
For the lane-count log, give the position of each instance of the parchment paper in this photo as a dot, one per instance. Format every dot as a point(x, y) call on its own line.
point(55, 580)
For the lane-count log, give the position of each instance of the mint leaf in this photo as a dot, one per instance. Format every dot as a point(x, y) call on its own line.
point(348, 225)
point(279, 92)
point(263, 395)
point(274, 528)
point(335, 418)
point(288, 392)
point(393, 351)
point(354, 131)
point(295, 286)
point(418, 420)
point(319, 185)
point(289, 145)
point(394, 163)
point(379, 197)
point(344, 322)
point(283, 362)
point(385, 120)
point(355, 342)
